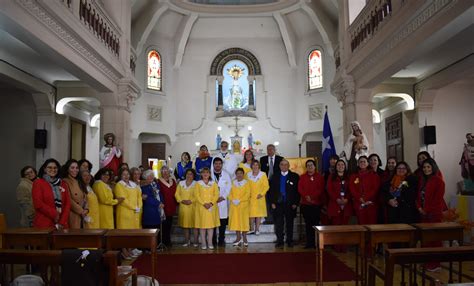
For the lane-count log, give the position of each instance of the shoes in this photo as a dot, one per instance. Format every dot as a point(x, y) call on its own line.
point(196, 245)
point(211, 247)
point(246, 244)
point(251, 232)
point(221, 244)
point(204, 247)
point(126, 257)
point(279, 245)
point(187, 244)
point(257, 232)
point(237, 243)
point(137, 252)
point(290, 244)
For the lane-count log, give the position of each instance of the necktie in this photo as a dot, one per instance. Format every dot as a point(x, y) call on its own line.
point(270, 170)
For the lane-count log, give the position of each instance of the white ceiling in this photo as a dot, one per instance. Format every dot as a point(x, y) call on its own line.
point(20, 55)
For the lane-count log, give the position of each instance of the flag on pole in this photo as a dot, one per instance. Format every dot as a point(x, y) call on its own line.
point(328, 143)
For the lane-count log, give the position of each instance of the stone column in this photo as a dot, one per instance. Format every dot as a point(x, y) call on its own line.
point(220, 94)
point(251, 95)
point(115, 115)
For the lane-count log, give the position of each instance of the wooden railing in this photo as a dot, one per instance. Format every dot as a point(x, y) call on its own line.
point(93, 16)
point(368, 22)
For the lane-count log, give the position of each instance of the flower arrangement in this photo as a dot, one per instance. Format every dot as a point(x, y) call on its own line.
point(258, 142)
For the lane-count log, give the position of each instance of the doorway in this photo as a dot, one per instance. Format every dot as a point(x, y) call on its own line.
point(394, 136)
point(77, 139)
point(153, 150)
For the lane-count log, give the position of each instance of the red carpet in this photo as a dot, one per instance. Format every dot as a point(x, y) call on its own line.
point(243, 268)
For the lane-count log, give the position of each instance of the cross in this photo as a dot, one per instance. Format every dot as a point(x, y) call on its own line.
point(236, 126)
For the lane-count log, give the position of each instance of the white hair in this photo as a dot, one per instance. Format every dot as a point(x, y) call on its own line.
point(147, 173)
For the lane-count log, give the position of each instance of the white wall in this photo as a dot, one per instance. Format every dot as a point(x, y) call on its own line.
point(17, 122)
point(453, 117)
point(188, 98)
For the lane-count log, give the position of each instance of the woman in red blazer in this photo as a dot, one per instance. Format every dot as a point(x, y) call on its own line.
point(430, 202)
point(364, 187)
point(340, 200)
point(50, 197)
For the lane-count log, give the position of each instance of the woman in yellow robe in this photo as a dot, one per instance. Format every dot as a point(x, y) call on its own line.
point(207, 216)
point(239, 199)
point(185, 196)
point(92, 219)
point(258, 188)
point(246, 164)
point(128, 212)
point(105, 197)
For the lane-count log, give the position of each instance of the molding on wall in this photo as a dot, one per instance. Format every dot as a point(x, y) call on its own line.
point(34, 8)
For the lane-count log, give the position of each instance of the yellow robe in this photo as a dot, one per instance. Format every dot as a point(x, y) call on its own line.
point(186, 212)
point(206, 218)
point(126, 215)
point(94, 212)
point(246, 169)
point(258, 186)
point(106, 204)
point(239, 213)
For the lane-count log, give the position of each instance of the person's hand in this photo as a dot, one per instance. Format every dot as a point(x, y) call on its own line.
point(340, 201)
point(393, 203)
point(84, 213)
point(56, 219)
point(236, 202)
point(144, 196)
point(422, 211)
point(308, 199)
point(362, 200)
point(120, 199)
point(259, 196)
point(220, 199)
point(187, 202)
point(293, 206)
point(345, 201)
point(274, 206)
point(162, 206)
point(59, 226)
point(207, 205)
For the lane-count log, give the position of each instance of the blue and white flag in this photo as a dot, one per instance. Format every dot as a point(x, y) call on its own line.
point(328, 143)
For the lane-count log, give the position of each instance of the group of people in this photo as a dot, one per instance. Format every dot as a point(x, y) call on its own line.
point(213, 193)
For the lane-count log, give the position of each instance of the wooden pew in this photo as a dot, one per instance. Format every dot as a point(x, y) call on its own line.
point(52, 258)
point(415, 256)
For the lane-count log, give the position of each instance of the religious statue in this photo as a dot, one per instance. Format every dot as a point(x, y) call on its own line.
point(236, 146)
point(467, 158)
point(250, 140)
point(218, 141)
point(356, 146)
point(236, 99)
point(110, 155)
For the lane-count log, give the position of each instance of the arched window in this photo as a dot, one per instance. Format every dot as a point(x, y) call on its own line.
point(154, 70)
point(315, 70)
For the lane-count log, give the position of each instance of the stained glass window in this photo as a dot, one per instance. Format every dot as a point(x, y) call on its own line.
point(154, 70)
point(315, 70)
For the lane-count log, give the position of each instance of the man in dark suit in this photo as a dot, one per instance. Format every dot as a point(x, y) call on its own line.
point(284, 199)
point(270, 164)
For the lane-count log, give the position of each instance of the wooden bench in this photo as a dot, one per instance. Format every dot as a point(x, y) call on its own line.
point(30, 238)
point(450, 231)
point(52, 258)
point(340, 235)
point(404, 256)
point(78, 238)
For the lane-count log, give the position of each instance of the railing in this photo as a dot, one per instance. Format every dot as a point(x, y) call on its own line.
point(92, 15)
point(368, 21)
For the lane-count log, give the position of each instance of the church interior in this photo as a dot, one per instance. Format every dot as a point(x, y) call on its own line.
point(163, 77)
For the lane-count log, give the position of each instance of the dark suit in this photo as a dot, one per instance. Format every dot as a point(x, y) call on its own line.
point(265, 166)
point(283, 211)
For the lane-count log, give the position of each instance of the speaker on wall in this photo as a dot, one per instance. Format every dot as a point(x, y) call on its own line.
point(40, 138)
point(429, 135)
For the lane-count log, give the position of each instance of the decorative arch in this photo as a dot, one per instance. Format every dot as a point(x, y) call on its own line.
point(245, 56)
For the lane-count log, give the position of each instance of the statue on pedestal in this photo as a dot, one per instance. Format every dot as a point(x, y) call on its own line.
point(110, 155)
point(356, 146)
point(467, 163)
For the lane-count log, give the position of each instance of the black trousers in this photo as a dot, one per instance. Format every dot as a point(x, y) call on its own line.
point(222, 227)
point(312, 216)
point(284, 215)
point(167, 224)
point(269, 219)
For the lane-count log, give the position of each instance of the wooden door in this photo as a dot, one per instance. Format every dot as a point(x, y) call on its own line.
point(153, 150)
point(77, 140)
point(315, 149)
point(394, 136)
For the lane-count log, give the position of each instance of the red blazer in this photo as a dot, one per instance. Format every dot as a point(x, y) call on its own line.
point(364, 185)
point(434, 196)
point(169, 198)
point(43, 201)
point(334, 192)
point(312, 188)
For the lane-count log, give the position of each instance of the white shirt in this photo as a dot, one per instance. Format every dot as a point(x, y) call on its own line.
point(230, 162)
point(224, 184)
point(284, 173)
